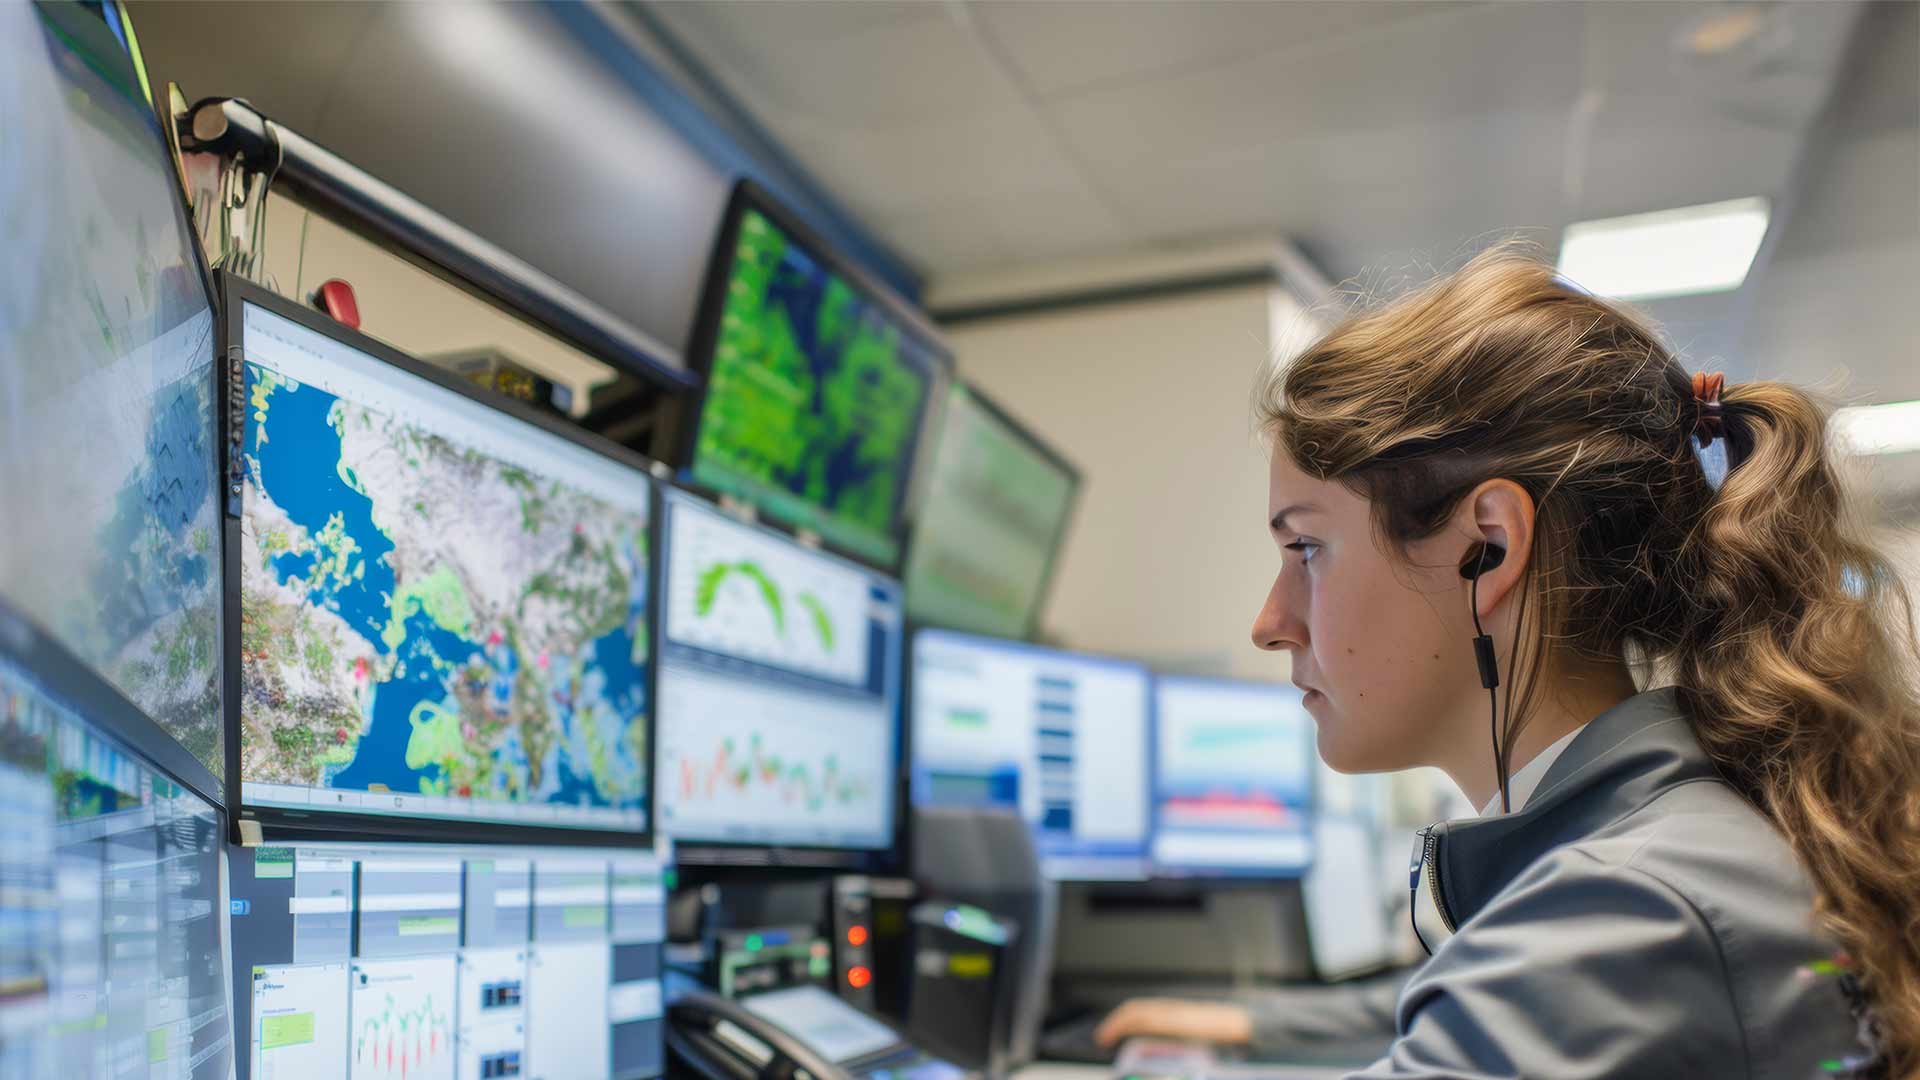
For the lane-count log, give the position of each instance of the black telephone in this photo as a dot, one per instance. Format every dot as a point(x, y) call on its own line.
point(722, 1040)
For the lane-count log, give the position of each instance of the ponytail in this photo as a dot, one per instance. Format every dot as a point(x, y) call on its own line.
point(1798, 666)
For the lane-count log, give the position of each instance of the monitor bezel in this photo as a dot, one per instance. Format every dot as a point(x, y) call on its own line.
point(678, 441)
point(1052, 455)
point(1219, 875)
point(909, 749)
point(718, 857)
point(73, 683)
point(284, 823)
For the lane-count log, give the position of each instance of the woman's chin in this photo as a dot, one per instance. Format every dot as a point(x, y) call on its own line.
point(1348, 751)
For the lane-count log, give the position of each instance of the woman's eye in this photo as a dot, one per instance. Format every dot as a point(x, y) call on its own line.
point(1306, 548)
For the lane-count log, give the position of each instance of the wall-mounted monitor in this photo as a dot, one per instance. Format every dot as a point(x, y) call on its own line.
point(779, 694)
point(817, 382)
point(435, 962)
point(1233, 779)
point(112, 918)
point(108, 431)
point(990, 523)
point(1061, 736)
point(440, 598)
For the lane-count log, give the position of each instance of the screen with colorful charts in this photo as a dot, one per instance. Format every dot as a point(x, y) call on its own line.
point(815, 392)
point(779, 695)
point(993, 515)
point(109, 522)
point(111, 914)
point(443, 607)
point(1233, 778)
point(429, 962)
point(1062, 736)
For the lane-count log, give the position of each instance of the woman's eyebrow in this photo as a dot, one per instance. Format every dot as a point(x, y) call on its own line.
point(1279, 521)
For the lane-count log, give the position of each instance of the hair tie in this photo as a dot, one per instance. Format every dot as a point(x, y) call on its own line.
point(1708, 421)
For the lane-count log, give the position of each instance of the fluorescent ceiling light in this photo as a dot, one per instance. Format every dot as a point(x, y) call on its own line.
point(1693, 249)
point(1879, 429)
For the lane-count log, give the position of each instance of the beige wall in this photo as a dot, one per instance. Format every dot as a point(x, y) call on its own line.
point(1168, 557)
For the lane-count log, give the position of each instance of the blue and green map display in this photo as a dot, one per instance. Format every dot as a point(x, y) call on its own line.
point(422, 617)
point(814, 398)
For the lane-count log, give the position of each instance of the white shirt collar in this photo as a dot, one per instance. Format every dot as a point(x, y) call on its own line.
point(1520, 785)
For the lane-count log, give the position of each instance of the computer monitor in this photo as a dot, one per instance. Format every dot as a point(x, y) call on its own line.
point(111, 530)
point(1233, 779)
point(1347, 915)
point(1062, 736)
point(442, 597)
point(817, 380)
point(112, 927)
point(779, 695)
point(444, 962)
point(991, 520)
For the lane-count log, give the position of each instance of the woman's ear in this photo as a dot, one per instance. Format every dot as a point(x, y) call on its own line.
point(1498, 516)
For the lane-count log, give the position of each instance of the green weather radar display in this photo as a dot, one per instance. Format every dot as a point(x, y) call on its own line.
point(814, 396)
point(995, 509)
point(432, 623)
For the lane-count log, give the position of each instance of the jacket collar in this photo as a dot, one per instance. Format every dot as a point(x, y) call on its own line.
point(1619, 762)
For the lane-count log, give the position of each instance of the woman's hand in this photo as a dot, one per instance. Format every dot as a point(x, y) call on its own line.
point(1171, 1018)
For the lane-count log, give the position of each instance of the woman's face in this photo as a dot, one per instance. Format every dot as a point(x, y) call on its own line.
point(1382, 645)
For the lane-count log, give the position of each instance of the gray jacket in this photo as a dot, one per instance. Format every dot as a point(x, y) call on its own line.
point(1637, 919)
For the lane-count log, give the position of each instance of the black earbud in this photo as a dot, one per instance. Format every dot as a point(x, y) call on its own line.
point(1480, 559)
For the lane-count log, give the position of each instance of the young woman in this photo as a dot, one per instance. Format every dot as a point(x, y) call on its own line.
point(1720, 878)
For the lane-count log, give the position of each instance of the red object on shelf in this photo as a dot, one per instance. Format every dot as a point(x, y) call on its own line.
point(856, 936)
point(859, 977)
point(335, 297)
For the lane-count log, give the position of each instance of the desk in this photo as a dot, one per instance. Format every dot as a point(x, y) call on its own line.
point(1054, 1070)
point(1060, 1070)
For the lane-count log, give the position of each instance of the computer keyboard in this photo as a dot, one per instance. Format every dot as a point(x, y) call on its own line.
point(1073, 1041)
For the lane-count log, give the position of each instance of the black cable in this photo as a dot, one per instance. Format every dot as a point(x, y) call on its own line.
point(1490, 678)
point(1499, 758)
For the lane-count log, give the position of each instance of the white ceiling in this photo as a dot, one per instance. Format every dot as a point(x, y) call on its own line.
point(983, 134)
point(1383, 138)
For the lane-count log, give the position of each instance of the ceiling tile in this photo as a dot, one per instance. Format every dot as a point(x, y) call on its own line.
point(1006, 154)
point(1636, 57)
point(919, 67)
point(1634, 168)
point(1052, 225)
point(739, 21)
point(1519, 58)
point(943, 238)
point(1063, 46)
point(1477, 174)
